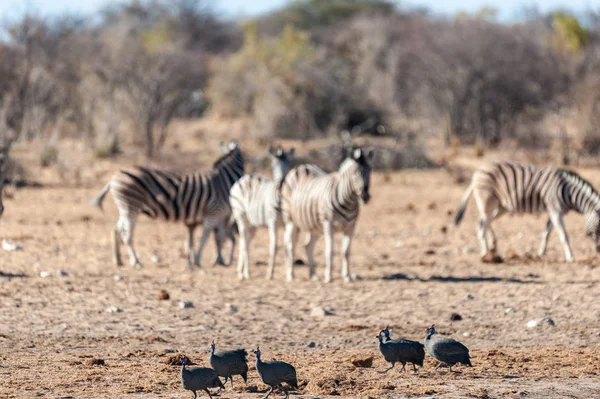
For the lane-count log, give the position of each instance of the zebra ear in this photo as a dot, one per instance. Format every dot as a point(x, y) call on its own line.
point(223, 148)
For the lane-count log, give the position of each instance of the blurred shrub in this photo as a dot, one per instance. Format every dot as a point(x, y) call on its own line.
point(569, 34)
point(288, 86)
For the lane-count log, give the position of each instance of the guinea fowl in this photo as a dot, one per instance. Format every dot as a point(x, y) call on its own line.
point(446, 350)
point(274, 373)
point(400, 351)
point(199, 378)
point(229, 363)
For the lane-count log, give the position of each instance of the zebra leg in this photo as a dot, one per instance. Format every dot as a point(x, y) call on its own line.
point(481, 232)
point(250, 232)
point(272, 248)
point(328, 233)
point(127, 228)
point(231, 237)
point(290, 236)
point(189, 244)
point(243, 255)
point(207, 228)
point(346, 242)
point(545, 236)
point(116, 243)
point(218, 230)
point(557, 220)
point(310, 248)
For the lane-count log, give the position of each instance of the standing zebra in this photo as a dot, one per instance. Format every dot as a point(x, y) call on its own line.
point(254, 200)
point(512, 187)
point(191, 199)
point(317, 202)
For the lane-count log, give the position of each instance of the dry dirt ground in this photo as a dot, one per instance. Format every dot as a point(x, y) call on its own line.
point(415, 269)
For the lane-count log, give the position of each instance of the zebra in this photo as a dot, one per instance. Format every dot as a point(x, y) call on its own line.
point(191, 199)
point(313, 201)
point(516, 188)
point(253, 201)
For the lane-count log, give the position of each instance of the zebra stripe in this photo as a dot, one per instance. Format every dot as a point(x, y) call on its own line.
point(314, 201)
point(201, 198)
point(521, 189)
point(254, 199)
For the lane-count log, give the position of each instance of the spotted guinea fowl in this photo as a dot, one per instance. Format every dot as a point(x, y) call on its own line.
point(400, 351)
point(229, 363)
point(274, 373)
point(199, 378)
point(446, 350)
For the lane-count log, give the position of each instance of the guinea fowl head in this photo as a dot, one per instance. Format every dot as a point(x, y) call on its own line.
point(257, 352)
point(386, 332)
point(184, 361)
point(431, 331)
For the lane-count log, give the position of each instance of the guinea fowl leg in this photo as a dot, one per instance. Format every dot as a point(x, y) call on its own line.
point(403, 369)
point(231, 380)
point(438, 366)
point(208, 392)
point(268, 393)
point(194, 394)
point(388, 369)
point(287, 395)
point(414, 368)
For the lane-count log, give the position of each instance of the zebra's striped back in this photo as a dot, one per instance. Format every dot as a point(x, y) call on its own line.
point(309, 196)
point(255, 197)
point(530, 189)
point(188, 198)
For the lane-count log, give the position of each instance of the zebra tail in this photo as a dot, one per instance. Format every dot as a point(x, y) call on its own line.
point(463, 205)
point(97, 200)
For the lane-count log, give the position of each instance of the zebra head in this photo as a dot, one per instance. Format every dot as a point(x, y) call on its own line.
point(592, 227)
point(358, 164)
point(280, 161)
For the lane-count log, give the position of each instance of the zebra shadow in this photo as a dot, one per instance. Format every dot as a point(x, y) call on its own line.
point(454, 279)
point(13, 275)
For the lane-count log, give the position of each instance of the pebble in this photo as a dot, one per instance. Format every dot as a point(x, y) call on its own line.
point(155, 259)
point(455, 317)
point(163, 295)
point(186, 304)
point(466, 334)
point(320, 312)
point(45, 274)
point(520, 235)
point(423, 293)
point(470, 296)
point(118, 277)
point(231, 308)
point(311, 344)
point(62, 273)
point(468, 250)
point(509, 310)
point(11, 246)
point(532, 323)
point(113, 309)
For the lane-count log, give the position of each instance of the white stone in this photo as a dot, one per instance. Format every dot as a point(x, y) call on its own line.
point(11, 246)
point(118, 277)
point(45, 274)
point(186, 304)
point(113, 309)
point(532, 323)
point(155, 259)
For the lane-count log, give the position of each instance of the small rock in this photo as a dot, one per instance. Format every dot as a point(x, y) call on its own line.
point(520, 235)
point(423, 293)
point(62, 273)
point(430, 252)
point(363, 362)
point(455, 317)
point(467, 250)
point(45, 274)
point(186, 304)
point(532, 323)
point(509, 310)
point(398, 244)
point(372, 234)
point(432, 206)
point(384, 256)
point(163, 295)
point(11, 246)
point(299, 262)
point(492, 258)
point(548, 321)
point(231, 308)
point(155, 259)
point(470, 296)
point(445, 252)
point(96, 362)
point(427, 231)
point(311, 344)
point(444, 230)
point(113, 309)
point(117, 277)
point(598, 334)
point(320, 312)
point(466, 334)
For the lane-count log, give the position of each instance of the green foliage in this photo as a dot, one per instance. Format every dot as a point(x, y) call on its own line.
point(569, 34)
point(156, 37)
point(485, 13)
point(308, 14)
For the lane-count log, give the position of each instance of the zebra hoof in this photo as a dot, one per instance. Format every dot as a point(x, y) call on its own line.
point(327, 280)
point(314, 277)
point(139, 266)
point(348, 279)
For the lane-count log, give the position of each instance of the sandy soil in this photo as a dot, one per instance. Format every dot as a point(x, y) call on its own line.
point(415, 269)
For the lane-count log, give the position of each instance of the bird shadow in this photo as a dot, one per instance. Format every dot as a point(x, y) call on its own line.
point(454, 279)
point(13, 275)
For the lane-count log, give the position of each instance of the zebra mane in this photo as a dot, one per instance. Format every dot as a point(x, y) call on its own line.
point(585, 186)
point(224, 158)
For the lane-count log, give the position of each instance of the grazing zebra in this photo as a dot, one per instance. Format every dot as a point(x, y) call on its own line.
point(201, 198)
point(253, 201)
point(313, 201)
point(515, 188)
